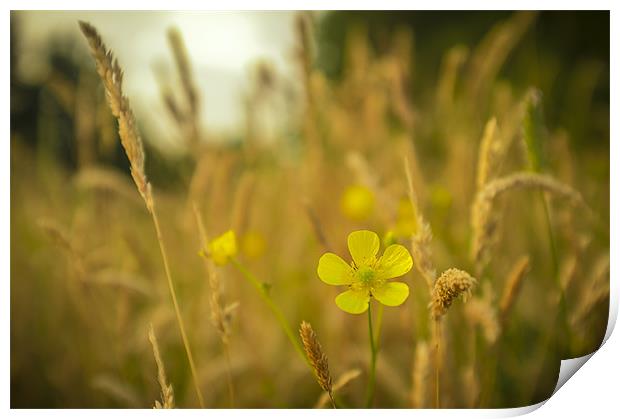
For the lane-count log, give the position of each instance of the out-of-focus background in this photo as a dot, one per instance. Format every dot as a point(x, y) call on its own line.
point(294, 138)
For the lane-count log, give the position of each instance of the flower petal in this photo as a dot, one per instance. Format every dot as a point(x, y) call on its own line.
point(334, 271)
point(354, 302)
point(363, 245)
point(396, 261)
point(391, 293)
point(224, 247)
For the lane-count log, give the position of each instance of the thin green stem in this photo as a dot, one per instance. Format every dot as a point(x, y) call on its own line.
point(370, 391)
point(273, 307)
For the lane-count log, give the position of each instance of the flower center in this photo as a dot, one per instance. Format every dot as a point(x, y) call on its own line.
point(365, 275)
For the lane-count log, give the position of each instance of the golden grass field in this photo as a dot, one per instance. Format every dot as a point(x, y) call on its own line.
point(122, 296)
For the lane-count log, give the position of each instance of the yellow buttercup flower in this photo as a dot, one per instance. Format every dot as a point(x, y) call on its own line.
point(222, 248)
point(407, 219)
point(367, 276)
point(357, 203)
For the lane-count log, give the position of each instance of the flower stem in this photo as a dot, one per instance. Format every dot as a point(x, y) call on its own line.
point(177, 311)
point(370, 390)
point(272, 306)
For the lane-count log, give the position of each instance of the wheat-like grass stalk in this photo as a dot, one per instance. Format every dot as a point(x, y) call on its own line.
point(484, 220)
point(421, 241)
point(493, 51)
point(167, 392)
point(181, 58)
point(488, 154)
point(596, 290)
point(112, 77)
point(305, 50)
point(317, 358)
point(419, 375)
point(218, 315)
point(451, 64)
point(513, 285)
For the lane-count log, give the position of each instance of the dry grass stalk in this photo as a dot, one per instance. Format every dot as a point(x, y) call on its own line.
point(187, 81)
point(317, 358)
point(452, 63)
point(512, 287)
point(488, 156)
point(419, 375)
point(492, 52)
point(305, 50)
point(452, 284)
point(422, 254)
point(219, 315)
point(596, 291)
point(183, 65)
point(167, 393)
point(112, 77)
point(422, 240)
point(568, 271)
point(484, 220)
point(344, 379)
point(570, 266)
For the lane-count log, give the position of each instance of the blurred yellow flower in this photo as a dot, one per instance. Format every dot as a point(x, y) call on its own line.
point(367, 276)
point(222, 248)
point(406, 219)
point(357, 203)
point(253, 244)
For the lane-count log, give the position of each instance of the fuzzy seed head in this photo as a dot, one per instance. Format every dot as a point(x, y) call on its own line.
point(452, 284)
point(316, 356)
